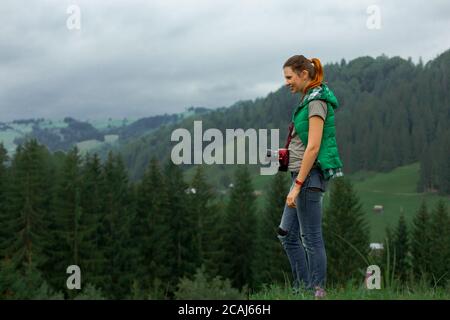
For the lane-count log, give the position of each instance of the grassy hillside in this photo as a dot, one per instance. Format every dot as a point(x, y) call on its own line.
point(395, 191)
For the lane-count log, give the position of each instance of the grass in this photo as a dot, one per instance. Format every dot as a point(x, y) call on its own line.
point(349, 292)
point(396, 191)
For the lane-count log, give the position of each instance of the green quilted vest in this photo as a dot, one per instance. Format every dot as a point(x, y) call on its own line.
point(328, 157)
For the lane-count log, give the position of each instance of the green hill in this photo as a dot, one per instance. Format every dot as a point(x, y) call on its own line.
point(396, 192)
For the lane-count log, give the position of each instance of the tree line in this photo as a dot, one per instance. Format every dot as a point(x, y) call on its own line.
point(149, 238)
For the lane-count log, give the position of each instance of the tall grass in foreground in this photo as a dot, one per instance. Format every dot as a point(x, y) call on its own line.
point(352, 292)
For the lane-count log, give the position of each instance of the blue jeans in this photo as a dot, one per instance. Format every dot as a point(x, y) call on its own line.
point(300, 233)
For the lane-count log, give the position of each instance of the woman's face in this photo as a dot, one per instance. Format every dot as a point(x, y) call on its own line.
point(295, 82)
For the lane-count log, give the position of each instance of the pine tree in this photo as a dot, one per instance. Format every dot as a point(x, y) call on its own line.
point(182, 224)
point(274, 265)
point(66, 229)
point(25, 285)
point(388, 263)
point(30, 204)
point(346, 234)
point(151, 229)
point(8, 278)
point(92, 201)
point(421, 242)
point(401, 247)
point(5, 229)
point(207, 223)
point(440, 244)
point(115, 238)
point(444, 163)
point(240, 232)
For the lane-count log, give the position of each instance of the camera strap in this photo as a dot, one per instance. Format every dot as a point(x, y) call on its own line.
point(289, 137)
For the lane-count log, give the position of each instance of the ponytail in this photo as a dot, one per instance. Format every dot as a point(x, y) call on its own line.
point(317, 75)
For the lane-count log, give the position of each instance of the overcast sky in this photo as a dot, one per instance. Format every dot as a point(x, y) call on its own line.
point(135, 58)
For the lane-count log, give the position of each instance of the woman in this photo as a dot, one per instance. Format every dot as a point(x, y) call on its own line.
point(313, 160)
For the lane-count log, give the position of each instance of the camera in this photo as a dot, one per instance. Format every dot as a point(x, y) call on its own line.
point(281, 156)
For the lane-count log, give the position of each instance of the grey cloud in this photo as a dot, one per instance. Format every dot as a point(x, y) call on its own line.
point(140, 58)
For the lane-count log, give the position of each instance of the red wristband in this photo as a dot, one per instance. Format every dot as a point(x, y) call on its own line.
point(298, 182)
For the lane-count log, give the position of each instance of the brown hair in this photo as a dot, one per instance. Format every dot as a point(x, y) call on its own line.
point(298, 63)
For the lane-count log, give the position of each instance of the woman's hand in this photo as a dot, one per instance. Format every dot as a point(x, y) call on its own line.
point(292, 196)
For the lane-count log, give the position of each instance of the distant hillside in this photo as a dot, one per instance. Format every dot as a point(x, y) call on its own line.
point(88, 135)
point(145, 125)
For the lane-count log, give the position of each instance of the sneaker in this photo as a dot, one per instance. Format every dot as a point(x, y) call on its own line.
point(320, 293)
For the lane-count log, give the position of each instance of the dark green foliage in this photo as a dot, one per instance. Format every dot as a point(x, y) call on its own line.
point(401, 249)
point(90, 292)
point(138, 240)
point(22, 284)
point(115, 240)
point(6, 231)
point(92, 195)
point(270, 249)
point(203, 287)
point(25, 223)
point(427, 254)
point(182, 224)
point(346, 234)
point(66, 227)
point(29, 207)
point(207, 223)
point(440, 244)
point(240, 236)
point(421, 239)
point(151, 229)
